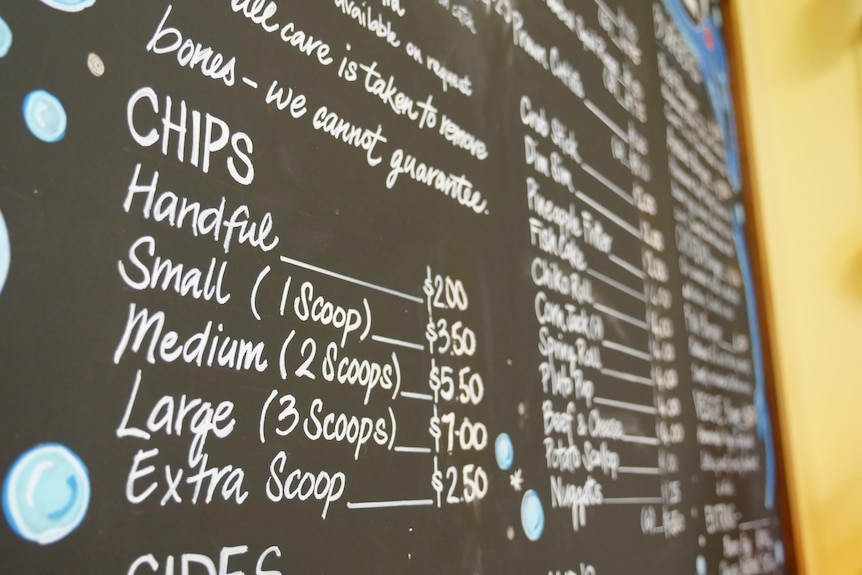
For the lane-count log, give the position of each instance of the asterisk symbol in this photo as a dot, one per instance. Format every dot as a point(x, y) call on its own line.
point(516, 480)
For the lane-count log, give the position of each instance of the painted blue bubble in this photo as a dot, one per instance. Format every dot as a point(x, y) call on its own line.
point(45, 116)
point(504, 451)
point(46, 493)
point(69, 5)
point(5, 37)
point(779, 552)
point(532, 515)
point(700, 565)
point(5, 252)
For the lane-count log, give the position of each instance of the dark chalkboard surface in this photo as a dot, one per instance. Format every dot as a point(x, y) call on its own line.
point(442, 286)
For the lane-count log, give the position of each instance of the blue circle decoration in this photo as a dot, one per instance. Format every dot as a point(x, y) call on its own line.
point(532, 515)
point(504, 451)
point(5, 252)
point(700, 565)
point(5, 37)
point(778, 548)
point(45, 116)
point(69, 5)
point(46, 493)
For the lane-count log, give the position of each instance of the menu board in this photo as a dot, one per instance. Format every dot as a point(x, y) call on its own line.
point(377, 286)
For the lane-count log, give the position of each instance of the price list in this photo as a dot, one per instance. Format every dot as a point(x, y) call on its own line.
point(448, 286)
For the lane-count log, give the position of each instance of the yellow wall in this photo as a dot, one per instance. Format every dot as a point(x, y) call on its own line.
point(801, 64)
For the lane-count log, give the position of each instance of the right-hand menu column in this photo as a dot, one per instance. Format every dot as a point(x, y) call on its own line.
point(731, 442)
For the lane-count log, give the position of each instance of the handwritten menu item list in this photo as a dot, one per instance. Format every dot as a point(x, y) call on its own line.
point(450, 286)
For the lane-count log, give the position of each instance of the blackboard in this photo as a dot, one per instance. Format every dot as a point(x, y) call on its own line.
point(442, 286)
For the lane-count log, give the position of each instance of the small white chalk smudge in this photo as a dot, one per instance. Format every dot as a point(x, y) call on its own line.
point(95, 64)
